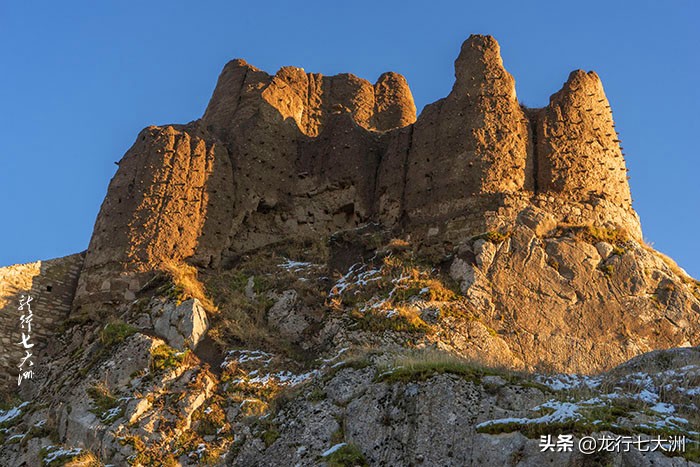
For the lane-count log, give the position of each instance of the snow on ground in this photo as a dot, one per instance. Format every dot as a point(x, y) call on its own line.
point(662, 407)
point(55, 453)
point(563, 382)
point(357, 276)
point(333, 449)
point(111, 414)
point(284, 378)
point(243, 356)
point(563, 412)
point(294, 266)
point(650, 391)
point(337, 356)
point(262, 374)
point(9, 414)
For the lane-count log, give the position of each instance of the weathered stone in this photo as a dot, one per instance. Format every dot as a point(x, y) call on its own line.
point(182, 326)
point(52, 285)
point(604, 249)
point(284, 316)
point(578, 149)
point(541, 222)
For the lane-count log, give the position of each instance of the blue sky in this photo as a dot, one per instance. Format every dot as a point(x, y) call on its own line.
point(80, 79)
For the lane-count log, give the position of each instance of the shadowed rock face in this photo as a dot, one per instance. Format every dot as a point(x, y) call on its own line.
point(301, 155)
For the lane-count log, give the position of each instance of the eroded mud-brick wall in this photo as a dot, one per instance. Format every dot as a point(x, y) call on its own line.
point(51, 284)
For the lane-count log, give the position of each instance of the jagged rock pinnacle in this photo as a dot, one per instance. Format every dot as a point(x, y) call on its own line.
point(479, 68)
point(470, 145)
point(394, 106)
point(578, 148)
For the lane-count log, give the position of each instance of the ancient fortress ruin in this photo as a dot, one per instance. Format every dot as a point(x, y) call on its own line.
point(301, 155)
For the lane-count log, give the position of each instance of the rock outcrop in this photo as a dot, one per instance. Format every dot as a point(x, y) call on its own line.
point(182, 326)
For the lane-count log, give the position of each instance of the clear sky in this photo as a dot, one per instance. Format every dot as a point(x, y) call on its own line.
point(80, 79)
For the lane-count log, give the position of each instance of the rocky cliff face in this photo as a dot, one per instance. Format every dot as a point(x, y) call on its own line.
point(312, 275)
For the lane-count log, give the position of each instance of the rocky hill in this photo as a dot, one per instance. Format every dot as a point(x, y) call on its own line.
point(312, 275)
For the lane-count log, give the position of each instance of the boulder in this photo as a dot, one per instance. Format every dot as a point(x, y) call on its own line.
point(182, 326)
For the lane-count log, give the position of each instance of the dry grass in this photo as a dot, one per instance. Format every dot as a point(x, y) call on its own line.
point(186, 284)
point(164, 357)
point(421, 364)
point(102, 398)
point(240, 319)
point(404, 319)
point(592, 234)
point(396, 245)
point(397, 282)
point(242, 315)
point(86, 459)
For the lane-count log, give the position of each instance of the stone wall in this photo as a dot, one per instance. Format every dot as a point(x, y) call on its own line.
point(52, 286)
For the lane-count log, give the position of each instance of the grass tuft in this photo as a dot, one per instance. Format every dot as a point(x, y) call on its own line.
point(115, 332)
point(185, 284)
point(164, 357)
point(346, 456)
point(102, 399)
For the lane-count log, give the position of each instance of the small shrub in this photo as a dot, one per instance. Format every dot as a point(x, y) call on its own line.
point(418, 366)
point(115, 332)
point(210, 420)
point(254, 408)
point(102, 399)
point(423, 364)
point(54, 456)
point(496, 236)
point(317, 395)
point(396, 245)
point(9, 400)
point(270, 436)
point(618, 237)
point(240, 319)
point(405, 320)
point(164, 357)
point(618, 250)
point(438, 292)
point(346, 456)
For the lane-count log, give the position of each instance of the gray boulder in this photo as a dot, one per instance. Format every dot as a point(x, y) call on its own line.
point(182, 326)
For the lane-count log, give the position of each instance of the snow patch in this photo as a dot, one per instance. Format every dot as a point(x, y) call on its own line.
point(663, 407)
point(9, 414)
point(57, 453)
point(333, 449)
point(290, 265)
point(563, 412)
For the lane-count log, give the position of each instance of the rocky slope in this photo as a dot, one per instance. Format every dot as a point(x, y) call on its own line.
point(311, 275)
